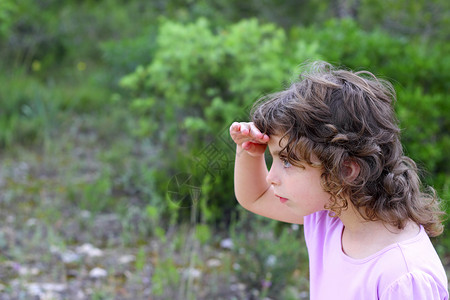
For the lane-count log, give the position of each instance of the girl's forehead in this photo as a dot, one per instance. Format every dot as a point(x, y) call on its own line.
point(274, 144)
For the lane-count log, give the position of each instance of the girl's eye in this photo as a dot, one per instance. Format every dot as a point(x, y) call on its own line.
point(286, 163)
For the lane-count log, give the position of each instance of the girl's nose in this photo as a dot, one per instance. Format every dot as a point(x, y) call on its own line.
point(272, 177)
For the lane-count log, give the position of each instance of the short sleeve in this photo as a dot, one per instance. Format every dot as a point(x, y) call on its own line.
point(415, 286)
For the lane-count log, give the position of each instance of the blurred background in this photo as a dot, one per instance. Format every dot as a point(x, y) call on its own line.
point(115, 160)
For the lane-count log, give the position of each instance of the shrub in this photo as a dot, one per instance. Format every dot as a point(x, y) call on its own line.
point(26, 112)
point(186, 100)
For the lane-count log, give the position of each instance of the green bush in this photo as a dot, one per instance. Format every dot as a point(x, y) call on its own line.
point(7, 11)
point(26, 112)
point(186, 100)
point(125, 55)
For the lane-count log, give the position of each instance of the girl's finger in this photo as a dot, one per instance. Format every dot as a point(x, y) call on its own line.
point(245, 128)
point(255, 132)
point(247, 132)
point(258, 134)
point(235, 127)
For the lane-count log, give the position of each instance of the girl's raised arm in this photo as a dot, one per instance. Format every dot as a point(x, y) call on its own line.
point(252, 190)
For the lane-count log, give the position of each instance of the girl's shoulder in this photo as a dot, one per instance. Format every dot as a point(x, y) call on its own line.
point(411, 262)
point(416, 285)
point(410, 269)
point(420, 257)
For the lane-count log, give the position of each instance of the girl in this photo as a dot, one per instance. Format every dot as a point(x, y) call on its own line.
point(338, 168)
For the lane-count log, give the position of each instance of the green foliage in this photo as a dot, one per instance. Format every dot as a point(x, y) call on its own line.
point(422, 17)
point(140, 259)
point(166, 275)
point(185, 100)
point(54, 32)
point(93, 195)
point(425, 128)
point(202, 233)
point(267, 255)
point(7, 10)
point(126, 54)
point(26, 111)
point(30, 33)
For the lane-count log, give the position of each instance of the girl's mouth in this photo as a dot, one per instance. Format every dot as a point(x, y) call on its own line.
point(282, 200)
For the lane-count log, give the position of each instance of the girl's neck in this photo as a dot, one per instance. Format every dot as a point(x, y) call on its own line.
point(361, 238)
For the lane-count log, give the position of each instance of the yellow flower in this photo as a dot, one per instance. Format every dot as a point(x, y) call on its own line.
point(81, 66)
point(36, 66)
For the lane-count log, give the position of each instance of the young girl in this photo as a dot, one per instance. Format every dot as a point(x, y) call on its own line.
point(338, 168)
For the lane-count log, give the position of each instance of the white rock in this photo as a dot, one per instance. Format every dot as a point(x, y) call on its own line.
point(192, 272)
point(24, 271)
point(50, 296)
point(34, 289)
point(80, 295)
point(238, 287)
point(236, 266)
point(89, 250)
point(10, 219)
point(54, 287)
point(85, 214)
point(97, 273)
point(126, 259)
point(271, 260)
point(70, 257)
point(45, 290)
point(54, 249)
point(31, 222)
point(227, 243)
point(213, 263)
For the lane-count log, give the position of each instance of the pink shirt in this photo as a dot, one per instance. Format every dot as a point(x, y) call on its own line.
point(408, 270)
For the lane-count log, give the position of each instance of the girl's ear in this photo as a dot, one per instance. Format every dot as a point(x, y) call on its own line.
point(350, 169)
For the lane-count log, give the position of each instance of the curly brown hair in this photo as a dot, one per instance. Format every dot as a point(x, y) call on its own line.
point(343, 116)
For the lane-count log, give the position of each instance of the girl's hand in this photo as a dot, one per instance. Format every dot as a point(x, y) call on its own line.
point(249, 138)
